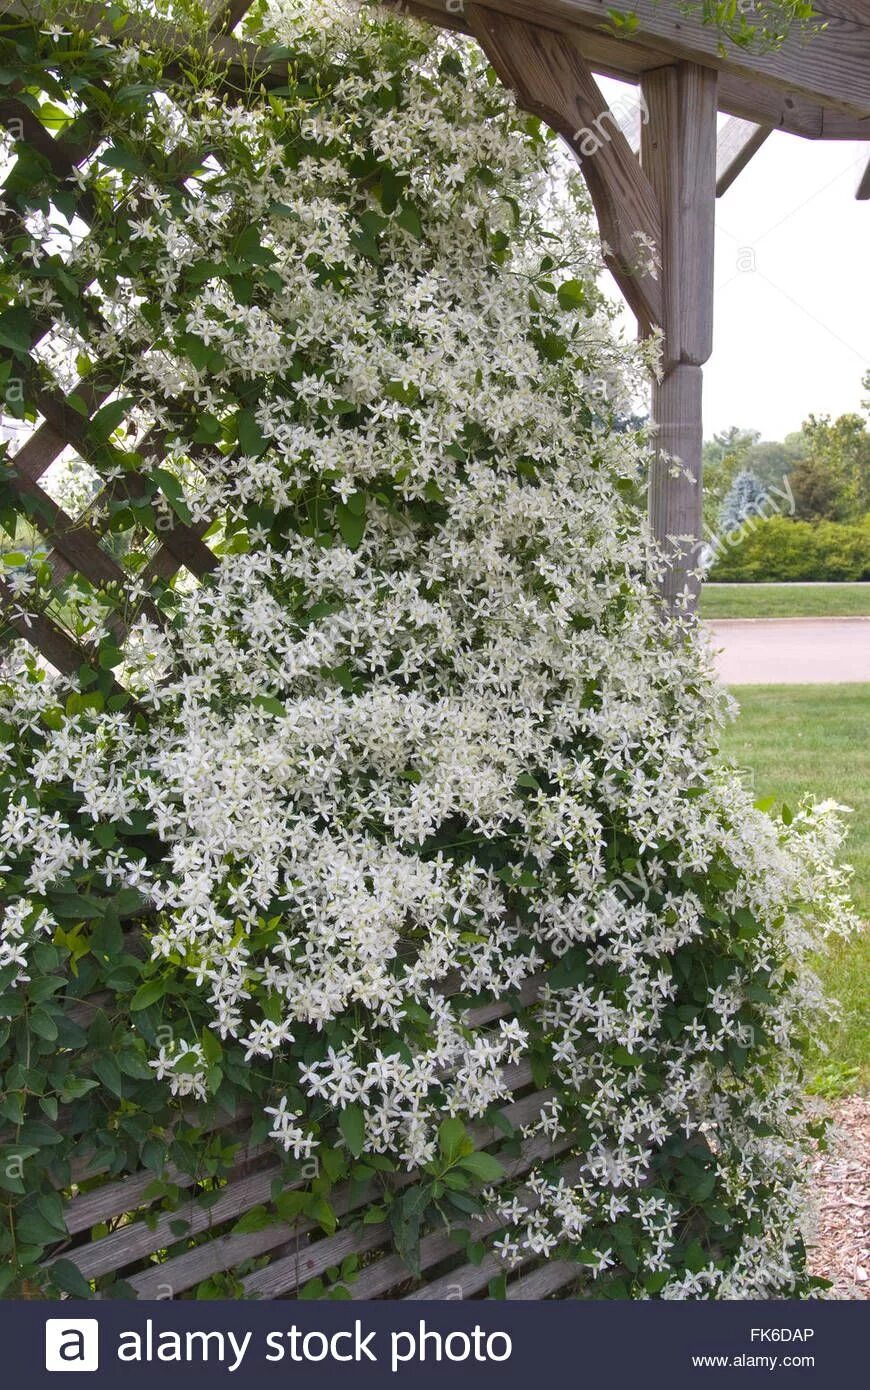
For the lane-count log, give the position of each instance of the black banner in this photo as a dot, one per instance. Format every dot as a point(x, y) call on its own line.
point(365, 1346)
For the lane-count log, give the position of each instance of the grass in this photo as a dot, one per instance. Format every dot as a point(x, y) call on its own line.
point(800, 738)
point(785, 601)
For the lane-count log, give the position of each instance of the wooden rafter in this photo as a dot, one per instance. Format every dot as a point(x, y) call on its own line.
point(552, 80)
point(745, 89)
point(831, 69)
point(738, 142)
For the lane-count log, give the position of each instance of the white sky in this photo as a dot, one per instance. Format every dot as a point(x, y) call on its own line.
point(792, 311)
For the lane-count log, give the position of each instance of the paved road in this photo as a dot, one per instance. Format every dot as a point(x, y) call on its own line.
point(791, 651)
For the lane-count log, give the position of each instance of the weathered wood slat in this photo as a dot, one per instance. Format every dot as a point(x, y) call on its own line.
point(548, 1279)
point(738, 142)
point(39, 630)
point(308, 1262)
point(228, 1251)
point(463, 1282)
point(115, 1199)
point(136, 1240)
point(72, 539)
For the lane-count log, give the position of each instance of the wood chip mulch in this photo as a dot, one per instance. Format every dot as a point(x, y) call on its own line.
point(839, 1239)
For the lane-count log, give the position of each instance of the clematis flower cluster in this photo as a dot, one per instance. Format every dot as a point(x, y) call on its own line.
point(422, 745)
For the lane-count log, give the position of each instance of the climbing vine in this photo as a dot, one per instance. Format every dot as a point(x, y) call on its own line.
point(394, 795)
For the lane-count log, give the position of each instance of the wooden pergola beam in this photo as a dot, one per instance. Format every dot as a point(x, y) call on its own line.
point(738, 142)
point(832, 69)
point(746, 93)
point(552, 81)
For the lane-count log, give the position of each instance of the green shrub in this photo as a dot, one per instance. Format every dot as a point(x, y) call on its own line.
point(780, 549)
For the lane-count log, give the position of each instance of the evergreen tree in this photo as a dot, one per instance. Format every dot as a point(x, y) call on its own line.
point(745, 499)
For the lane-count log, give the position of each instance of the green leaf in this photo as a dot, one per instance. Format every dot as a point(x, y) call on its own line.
point(33, 1229)
point(107, 1069)
point(352, 1124)
point(74, 1087)
point(291, 1204)
point(409, 218)
point(252, 441)
point(572, 969)
point(694, 1258)
point(148, 994)
point(69, 1279)
point(173, 492)
point(703, 1188)
point(351, 524)
point(16, 330)
point(483, 1167)
point(248, 247)
point(571, 295)
point(257, 1219)
point(198, 353)
point(526, 779)
point(450, 1138)
point(109, 417)
point(76, 907)
point(320, 1211)
point(43, 1025)
point(553, 347)
point(211, 1048)
point(623, 1058)
point(110, 656)
point(122, 157)
point(270, 705)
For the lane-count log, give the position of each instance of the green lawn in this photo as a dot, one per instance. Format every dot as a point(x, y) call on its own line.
point(785, 601)
point(800, 738)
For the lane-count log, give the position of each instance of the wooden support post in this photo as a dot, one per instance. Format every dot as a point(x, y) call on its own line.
point(678, 153)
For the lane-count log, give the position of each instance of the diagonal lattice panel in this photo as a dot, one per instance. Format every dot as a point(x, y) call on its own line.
point(75, 544)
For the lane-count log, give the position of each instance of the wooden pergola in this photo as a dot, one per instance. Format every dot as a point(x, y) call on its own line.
point(661, 190)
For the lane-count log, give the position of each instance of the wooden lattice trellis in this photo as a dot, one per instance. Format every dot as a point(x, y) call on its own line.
point(282, 1258)
point(75, 542)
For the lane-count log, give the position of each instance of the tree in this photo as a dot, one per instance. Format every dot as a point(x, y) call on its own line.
point(772, 460)
point(723, 458)
point(746, 498)
point(839, 449)
point(817, 492)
